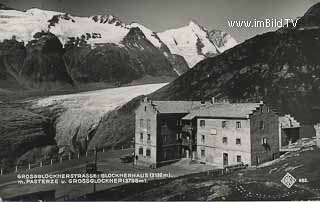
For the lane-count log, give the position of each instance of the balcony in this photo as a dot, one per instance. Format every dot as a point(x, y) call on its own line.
point(186, 142)
point(187, 128)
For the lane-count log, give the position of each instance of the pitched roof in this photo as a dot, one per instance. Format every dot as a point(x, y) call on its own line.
point(175, 107)
point(288, 121)
point(226, 110)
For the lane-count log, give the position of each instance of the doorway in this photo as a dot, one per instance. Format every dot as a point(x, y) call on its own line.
point(187, 153)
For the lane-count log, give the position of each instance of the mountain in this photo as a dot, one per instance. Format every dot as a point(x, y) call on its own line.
point(222, 40)
point(195, 42)
point(93, 52)
point(282, 68)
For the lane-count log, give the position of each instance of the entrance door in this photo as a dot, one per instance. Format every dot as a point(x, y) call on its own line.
point(225, 159)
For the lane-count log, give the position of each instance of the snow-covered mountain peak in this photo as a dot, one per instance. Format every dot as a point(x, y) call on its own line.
point(193, 41)
point(151, 36)
point(194, 25)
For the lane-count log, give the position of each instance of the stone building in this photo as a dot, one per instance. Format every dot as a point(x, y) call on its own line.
point(228, 134)
point(219, 134)
point(158, 131)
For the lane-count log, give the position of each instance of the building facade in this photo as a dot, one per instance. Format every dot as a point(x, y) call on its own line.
point(218, 134)
point(230, 134)
point(158, 138)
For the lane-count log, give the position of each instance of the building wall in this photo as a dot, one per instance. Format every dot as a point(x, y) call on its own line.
point(289, 135)
point(213, 143)
point(146, 112)
point(169, 145)
point(264, 152)
point(317, 129)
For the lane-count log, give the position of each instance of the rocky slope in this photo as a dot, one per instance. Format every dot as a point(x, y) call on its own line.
point(22, 130)
point(282, 68)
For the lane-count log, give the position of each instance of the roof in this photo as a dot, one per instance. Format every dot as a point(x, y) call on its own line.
point(225, 110)
point(288, 121)
point(175, 107)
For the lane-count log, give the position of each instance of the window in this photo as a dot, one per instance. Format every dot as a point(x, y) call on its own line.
point(213, 131)
point(238, 124)
point(141, 123)
point(203, 138)
point(224, 124)
point(148, 124)
point(225, 140)
point(148, 152)
point(149, 137)
point(264, 141)
point(145, 108)
point(202, 123)
point(141, 136)
point(177, 136)
point(203, 153)
point(261, 125)
point(268, 109)
point(239, 159)
point(238, 141)
point(140, 151)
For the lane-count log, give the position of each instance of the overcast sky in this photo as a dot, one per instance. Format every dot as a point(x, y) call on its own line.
point(160, 15)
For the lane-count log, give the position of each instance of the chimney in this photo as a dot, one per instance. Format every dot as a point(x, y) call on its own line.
point(212, 100)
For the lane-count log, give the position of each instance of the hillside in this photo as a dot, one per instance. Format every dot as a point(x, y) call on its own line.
point(21, 131)
point(281, 68)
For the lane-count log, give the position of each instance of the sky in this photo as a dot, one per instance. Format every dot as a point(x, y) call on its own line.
point(160, 15)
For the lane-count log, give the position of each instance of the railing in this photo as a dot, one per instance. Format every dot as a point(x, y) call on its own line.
point(186, 142)
point(58, 159)
point(187, 128)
